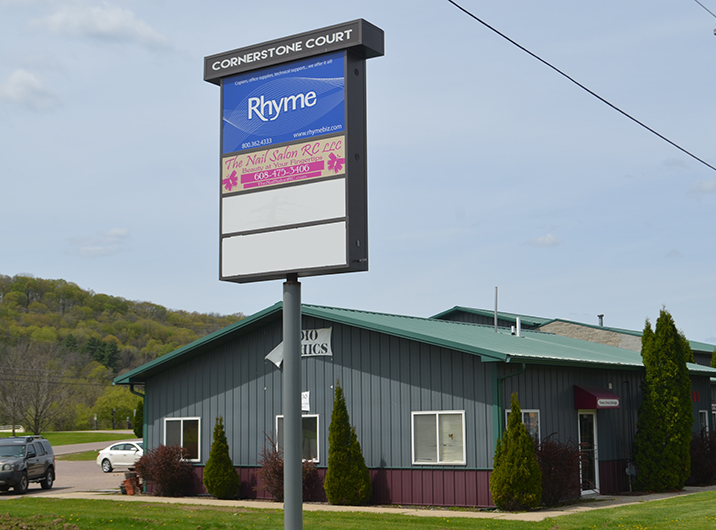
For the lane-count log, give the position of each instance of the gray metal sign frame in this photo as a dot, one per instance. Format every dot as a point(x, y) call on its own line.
point(360, 40)
point(360, 36)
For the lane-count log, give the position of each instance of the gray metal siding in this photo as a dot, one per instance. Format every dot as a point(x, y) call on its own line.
point(384, 378)
point(703, 359)
point(551, 390)
point(701, 400)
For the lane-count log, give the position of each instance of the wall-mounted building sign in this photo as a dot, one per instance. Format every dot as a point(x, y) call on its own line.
point(314, 343)
point(293, 180)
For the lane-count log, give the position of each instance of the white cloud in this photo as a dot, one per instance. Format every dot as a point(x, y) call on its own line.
point(548, 240)
point(701, 187)
point(101, 245)
point(106, 22)
point(675, 163)
point(25, 89)
point(673, 253)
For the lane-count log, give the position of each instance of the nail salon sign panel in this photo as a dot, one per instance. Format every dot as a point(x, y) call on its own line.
point(293, 155)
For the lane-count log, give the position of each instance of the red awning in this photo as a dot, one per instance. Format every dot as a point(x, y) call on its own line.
point(594, 397)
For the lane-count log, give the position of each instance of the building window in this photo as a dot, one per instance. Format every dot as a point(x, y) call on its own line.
point(183, 432)
point(439, 437)
point(530, 418)
point(703, 421)
point(309, 437)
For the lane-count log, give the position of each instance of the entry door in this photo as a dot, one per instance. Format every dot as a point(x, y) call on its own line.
point(589, 466)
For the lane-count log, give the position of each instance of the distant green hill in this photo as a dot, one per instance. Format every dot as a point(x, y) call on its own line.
point(61, 346)
point(120, 334)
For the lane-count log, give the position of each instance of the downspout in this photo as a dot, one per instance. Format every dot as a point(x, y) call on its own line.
point(497, 399)
point(144, 413)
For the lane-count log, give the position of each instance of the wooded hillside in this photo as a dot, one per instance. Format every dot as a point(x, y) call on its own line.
point(52, 332)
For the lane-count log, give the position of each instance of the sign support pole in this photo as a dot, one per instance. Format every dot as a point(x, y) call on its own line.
point(292, 465)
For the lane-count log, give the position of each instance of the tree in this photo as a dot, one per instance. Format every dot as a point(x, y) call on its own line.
point(115, 405)
point(516, 479)
point(33, 389)
point(138, 422)
point(347, 477)
point(665, 416)
point(220, 478)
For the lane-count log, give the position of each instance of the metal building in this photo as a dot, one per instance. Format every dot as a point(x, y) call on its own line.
point(427, 397)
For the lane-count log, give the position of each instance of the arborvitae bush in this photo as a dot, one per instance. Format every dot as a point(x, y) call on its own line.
point(663, 436)
point(220, 478)
point(271, 474)
point(703, 459)
point(139, 420)
point(347, 477)
point(516, 480)
point(165, 469)
point(559, 463)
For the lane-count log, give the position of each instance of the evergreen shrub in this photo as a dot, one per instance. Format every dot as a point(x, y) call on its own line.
point(347, 477)
point(220, 477)
point(138, 423)
point(663, 432)
point(165, 469)
point(516, 479)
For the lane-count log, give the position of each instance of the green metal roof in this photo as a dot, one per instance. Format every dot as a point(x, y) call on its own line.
point(525, 319)
point(528, 320)
point(534, 347)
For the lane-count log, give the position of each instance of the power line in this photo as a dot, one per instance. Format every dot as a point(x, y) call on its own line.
point(580, 85)
point(706, 8)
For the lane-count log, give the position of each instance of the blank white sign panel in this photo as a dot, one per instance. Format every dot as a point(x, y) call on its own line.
point(297, 248)
point(272, 208)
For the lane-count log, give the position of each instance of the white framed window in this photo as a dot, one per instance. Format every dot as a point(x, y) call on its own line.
point(530, 419)
point(703, 421)
point(713, 419)
point(184, 432)
point(309, 436)
point(438, 437)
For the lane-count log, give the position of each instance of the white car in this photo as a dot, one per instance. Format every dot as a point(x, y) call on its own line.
point(123, 454)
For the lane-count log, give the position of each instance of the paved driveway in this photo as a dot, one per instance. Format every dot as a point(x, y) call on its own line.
point(77, 476)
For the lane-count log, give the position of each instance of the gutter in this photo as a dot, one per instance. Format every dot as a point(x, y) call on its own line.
point(135, 392)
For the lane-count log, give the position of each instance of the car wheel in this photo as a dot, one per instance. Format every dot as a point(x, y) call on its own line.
point(46, 483)
point(106, 466)
point(21, 487)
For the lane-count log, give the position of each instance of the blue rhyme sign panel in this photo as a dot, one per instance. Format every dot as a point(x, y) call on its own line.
point(293, 175)
point(285, 103)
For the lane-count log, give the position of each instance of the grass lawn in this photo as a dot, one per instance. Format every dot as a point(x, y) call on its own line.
point(692, 512)
point(84, 456)
point(80, 437)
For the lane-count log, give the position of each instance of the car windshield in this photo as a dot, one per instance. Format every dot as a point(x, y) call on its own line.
point(12, 450)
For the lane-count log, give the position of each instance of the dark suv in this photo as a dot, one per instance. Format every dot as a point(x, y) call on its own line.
point(25, 459)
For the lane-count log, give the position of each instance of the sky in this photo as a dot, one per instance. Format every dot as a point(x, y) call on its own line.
point(486, 168)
